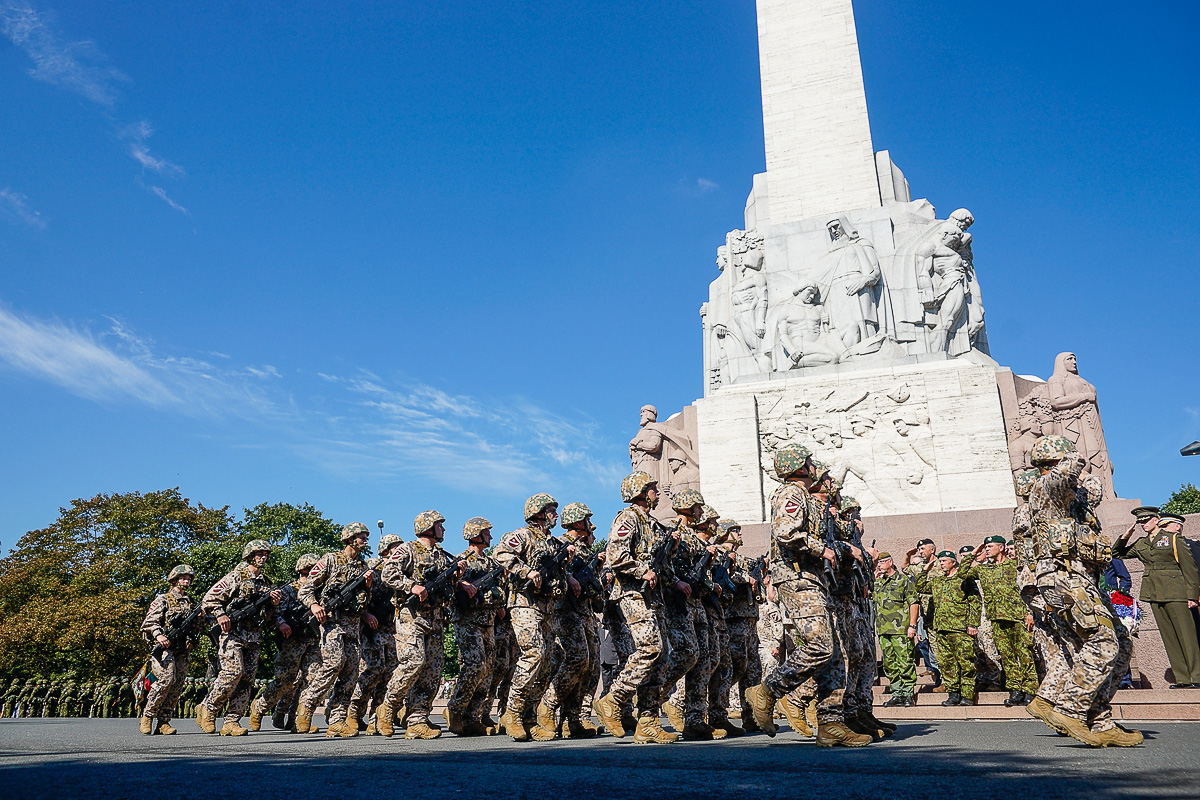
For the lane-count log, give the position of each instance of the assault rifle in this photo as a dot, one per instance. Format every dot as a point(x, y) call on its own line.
point(829, 534)
point(660, 556)
point(861, 574)
point(589, 582)
point(482, 580)
point(758, 570)
point(551, 565)
point(721, 578)
point(298, 617)
point(242, 610)
point(179, 630)
point(439, 585)
point(343, 597)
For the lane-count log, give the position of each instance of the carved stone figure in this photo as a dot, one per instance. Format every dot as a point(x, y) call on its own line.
point(1077, 416)
point(850, 284)
point(942, 283)
point(666, 451)
point(802, 338)
point(645, 450)
point(749, 295)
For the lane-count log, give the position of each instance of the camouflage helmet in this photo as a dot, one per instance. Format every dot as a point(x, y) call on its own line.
point(835, 486)
point(475, 526)
point(708, 514)
point(849, 503)
point(686, 498)
point(1024, 482)
point(790, 459)
point(425, 521)
point(728, 526)
point(179, 571)
point(256, 546)
point(537, 504)
point(306, 562)
point(1049, 449)
point(634, 485)
point(574, 513)
point(353, 531)
point(818, 470)
point(387, 542)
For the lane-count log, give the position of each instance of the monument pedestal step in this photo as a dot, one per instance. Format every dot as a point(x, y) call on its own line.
point(1128, 704)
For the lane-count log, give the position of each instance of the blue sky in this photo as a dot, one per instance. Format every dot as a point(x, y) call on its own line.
point(394, 257)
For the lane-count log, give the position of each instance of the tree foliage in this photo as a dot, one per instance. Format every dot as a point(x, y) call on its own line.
point(1184, 500)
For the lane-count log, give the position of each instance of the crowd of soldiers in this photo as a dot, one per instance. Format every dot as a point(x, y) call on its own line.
point(691, 622)
point(64, 697)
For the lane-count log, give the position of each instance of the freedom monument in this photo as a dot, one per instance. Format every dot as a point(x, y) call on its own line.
point(846, 316)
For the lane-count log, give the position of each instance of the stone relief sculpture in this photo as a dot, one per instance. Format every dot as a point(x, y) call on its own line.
point(1077, 416)
point(850, 284)
point(802, 335)
point(666, 451)
point(735, 318)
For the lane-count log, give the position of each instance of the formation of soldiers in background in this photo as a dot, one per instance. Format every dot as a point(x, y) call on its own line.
point(666, 619)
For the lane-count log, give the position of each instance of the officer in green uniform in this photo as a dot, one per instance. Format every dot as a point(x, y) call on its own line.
point(896, 610)
point(956, 620)
point(1171, 586)
point(1011, 620)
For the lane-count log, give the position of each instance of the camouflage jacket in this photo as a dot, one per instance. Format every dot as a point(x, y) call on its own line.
point(1022, 535)
point(954, 609)
point(479, 565)
point(770, 625)
point(411, 564)
point(293, 611)
point(796, 542)
point(924, 597)
point(162, 608)
point(241, 583)
point(631, 542)
point(329, 575)
point(998, 582)
point(519, 552)
point(687, 556)
point(1066, 533)
point(379, 601)
point(744, 606)
point(894, 595)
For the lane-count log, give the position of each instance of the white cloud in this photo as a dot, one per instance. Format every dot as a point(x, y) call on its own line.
point(136, 135)
point(160, 192)
point(705, 185)
point(14, 206)
point(76, 66)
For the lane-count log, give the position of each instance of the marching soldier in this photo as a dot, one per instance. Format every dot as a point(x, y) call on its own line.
point(741, 619)
point(300, 646)
point(238, 602)
point(716, 603)
point(474, 611)
point(170, 667)
point(378, 658)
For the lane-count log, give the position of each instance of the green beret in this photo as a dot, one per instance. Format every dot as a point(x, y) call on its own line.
point(966, 548)
point(883, 554)
point(994, 540)
point(948, 554)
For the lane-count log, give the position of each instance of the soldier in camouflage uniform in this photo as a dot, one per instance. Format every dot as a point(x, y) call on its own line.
point(575, 661)
point(474, 613)
point(50, 709)
point(377, 660)
point(687, 623)
point(170, 668)
point(419, 626)
point(299, 649)
point(8, 699)
point(621, 646)
point(341, 631)
point(239, 645)
point(716, 604)
point(798, 556)
point(531, 600)
point(741, 620)
point(896, 610)
point(956, 620)
point(503, 667)
point(637, 588)
point(926, 641)
point(1011, 620)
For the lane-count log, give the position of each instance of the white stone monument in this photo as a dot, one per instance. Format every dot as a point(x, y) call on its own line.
point(845, 316)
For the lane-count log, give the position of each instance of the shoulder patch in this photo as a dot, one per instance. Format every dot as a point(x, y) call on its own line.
point(514, 541)
point(626, 527)
point(791, 507)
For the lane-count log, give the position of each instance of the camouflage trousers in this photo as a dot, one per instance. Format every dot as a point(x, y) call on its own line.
point(989, 665)
point(688, 658)
point(1099, 717)
point(575, 662)
point(956, 657)
point(475, 635)
point(534, 632)
point(375, 666)
point(899, 663)
point(852, 649)
point(1053, 645)
point(337, 673)
point(289, 669)
point(1015, 647)
point(644, 669)
point(860, 678)
point(235, 680)
point(720, 659)
point(622, 647)
point(817, 652)
point(170, 672)
point(420, 656)
point(504, 663)
point(745, 664)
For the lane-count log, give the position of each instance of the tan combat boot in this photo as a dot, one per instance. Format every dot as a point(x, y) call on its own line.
point(514, 726)
point(146, 726)
point(795, 716)
point(1118, 737)
point(233, 729)
point(675, 716)
point(352, 726)
point(763, 705)
point(547, 724)
point(490, 726)
point(1038, 708)
point(830, 734)
point(204, 719)
point(371, 730)
point(473, 727)
point(650, 731)
point(257, 709)
point(383, 720)
point(279, 720)
point(723, 728)
point(422, 730)
point(334, 730)
point(165, 729)
point(609, 713)
point(304, 720)
point(577, 728)
point(454, 721)
point(810, 713)
point(1076, 729)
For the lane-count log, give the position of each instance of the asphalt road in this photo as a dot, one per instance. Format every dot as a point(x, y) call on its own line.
point(1015, 760)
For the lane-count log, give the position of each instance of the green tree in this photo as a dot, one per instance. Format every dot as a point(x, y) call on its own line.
point(1184, 500)
point(72, 595)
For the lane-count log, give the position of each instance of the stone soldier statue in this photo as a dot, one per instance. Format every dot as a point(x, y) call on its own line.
point(170, 667)
point(240, 642)
point(1171, 586)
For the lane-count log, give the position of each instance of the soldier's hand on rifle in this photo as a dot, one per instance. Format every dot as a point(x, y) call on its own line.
point(684, 587)
point(649, 577)
point(469, 588)
point(420, 591)
point(285, 629)
point(372, 621)
point(224, 623)
point(369, 577)
point(600, 558)
point(858, 556)
point(162, 640)
point(717, 588)
point(1029, 622)
point(972, 631)
point(317, 612)
point(574, 584)
point(830, 556)
point(277, 597)
point(535, 578)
